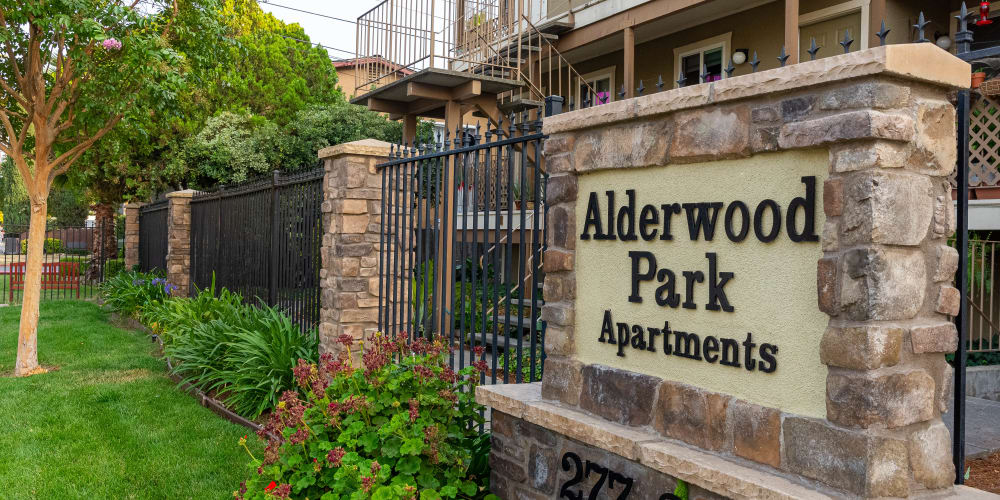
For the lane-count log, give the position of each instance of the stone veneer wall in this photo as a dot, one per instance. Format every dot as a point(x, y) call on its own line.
point(179, 241)
point(352, 194)
point(885, 277)
point(131, 235)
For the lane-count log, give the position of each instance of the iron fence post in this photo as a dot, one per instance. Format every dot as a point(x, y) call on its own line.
point(272, 281)
point(964, 41)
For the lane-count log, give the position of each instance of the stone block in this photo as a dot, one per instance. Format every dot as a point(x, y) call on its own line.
point(542, 469)
point(623, 145)
point(354, 207)
point(826, 285)
point(691, 415)
point(559, 163)
point(558, 143)
point(859, 462)
point(877, 95)
point(882, 283)
point(756, 432)
point(354, 223)
point(830, 240)
point(561, 189)
point(946, 263)
point(797, 108)
point(939, 337)
point(714, 133)
point(558, 314)
point(833, 197)
point(562, 380)
point(617, 395)
point(935, 145)
point(764, 139)
point(861, 347)
point(557, 260)
point(886, 207)
point(890, 400)
point(560, 340)
point(866, 155)
point(852, 125)
point(559, 287)
point(561, 232)
point(948, 300)
point(507, 469)
point(765, 114)
point(930, 456)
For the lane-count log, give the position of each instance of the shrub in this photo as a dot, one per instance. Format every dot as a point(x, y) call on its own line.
point(243, 353)
point(52, 245)
point(113, 267)
point(130, 292)
point(402, 426)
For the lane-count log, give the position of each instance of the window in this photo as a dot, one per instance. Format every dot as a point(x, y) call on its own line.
point(603, 83)
point(707, 57)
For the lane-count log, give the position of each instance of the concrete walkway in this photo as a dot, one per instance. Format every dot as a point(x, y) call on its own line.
point(982, 427)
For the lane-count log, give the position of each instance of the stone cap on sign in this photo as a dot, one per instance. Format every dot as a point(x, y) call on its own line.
point(133, 205)
point(187, 193)
point(364, 147)
point(919, 62)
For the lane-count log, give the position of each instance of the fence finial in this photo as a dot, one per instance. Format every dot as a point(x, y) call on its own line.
point(755, 61)
point(921, 28)
point(512, 126)
point(621, 93)
point(681, 80)
point(783, 56)
point(705, 75)
point(641, 88)
point(730, 69)
point(813, 49)
point(848, 41)
point(963, 37)
point(659, 83)
point(882, 34)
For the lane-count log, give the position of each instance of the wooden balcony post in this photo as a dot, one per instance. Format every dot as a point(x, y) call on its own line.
point(791, 31)
point(629, 62)
point(409, 129)
point(446, 269)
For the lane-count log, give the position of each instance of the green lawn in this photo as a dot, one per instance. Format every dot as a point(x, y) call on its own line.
point(107, 423)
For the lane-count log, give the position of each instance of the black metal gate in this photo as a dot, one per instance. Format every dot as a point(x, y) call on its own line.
point(262, 239)
point(153, 236)
point(475, 203)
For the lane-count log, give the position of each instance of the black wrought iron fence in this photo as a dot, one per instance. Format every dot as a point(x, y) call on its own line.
point(153, 236)
point(76, 260)
point(262, 239)
point(462, 240)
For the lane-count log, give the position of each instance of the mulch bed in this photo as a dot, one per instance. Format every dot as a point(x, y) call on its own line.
point(985, 473)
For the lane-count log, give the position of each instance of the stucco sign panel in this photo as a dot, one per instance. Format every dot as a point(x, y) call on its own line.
point(706, 274)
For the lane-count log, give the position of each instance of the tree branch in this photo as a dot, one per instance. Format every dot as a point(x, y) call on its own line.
point(83, 146)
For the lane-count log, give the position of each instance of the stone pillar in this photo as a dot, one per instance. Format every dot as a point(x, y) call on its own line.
point(352, 197)
point(131, 235)
point(179, 241)
point(875, 131)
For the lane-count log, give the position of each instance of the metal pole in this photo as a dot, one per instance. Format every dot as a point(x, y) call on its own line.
point(964, 40)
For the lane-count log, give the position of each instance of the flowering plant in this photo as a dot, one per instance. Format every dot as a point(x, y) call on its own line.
point(129, 293)
point(402, 425)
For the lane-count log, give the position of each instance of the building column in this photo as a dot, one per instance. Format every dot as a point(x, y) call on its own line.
point(352, 212)
point(179, 241)
point(131, 235)
point(409, 129)
point(791, 31)
point(629, 69)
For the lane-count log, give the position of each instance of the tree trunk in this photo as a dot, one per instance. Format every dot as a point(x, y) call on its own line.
point(105, 245)
point(27, 337)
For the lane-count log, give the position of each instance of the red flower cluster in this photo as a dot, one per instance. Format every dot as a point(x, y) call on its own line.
point(432, 438)
point(414, 413)
point(448, 395)
point(300, 436)
point(423, 372)
point(448, 375)
point(335, 455)
point(346, 340)
point(481, 366)
point(367, 483)
point(303, 371)
point(375, 467)
point(479, 350)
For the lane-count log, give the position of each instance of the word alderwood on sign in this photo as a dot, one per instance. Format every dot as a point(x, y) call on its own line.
point(706, 274)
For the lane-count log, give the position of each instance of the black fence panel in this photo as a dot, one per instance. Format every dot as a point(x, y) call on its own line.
point(76, 260)
point(262, 240)
point(153, 236)
point(461, 247)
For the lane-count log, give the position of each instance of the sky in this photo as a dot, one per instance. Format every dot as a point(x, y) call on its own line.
point(329, 32)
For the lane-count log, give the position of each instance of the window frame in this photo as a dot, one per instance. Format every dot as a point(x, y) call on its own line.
point(607, 72)
point(723, 41)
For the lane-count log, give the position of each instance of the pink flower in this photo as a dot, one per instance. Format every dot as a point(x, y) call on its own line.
point(335, 455)
point(111, 44)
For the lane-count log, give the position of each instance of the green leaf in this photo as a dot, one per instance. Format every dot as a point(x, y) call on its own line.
point(681, 490)
point(384, 493)
point(429, 494)
point(369, 440)
point(449, 491)
point(412, 446)
point(428, 481)
point(967, 471)
point(469, 488)
point(408, 465)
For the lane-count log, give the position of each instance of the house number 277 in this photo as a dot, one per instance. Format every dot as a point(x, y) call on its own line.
point(571, 462)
